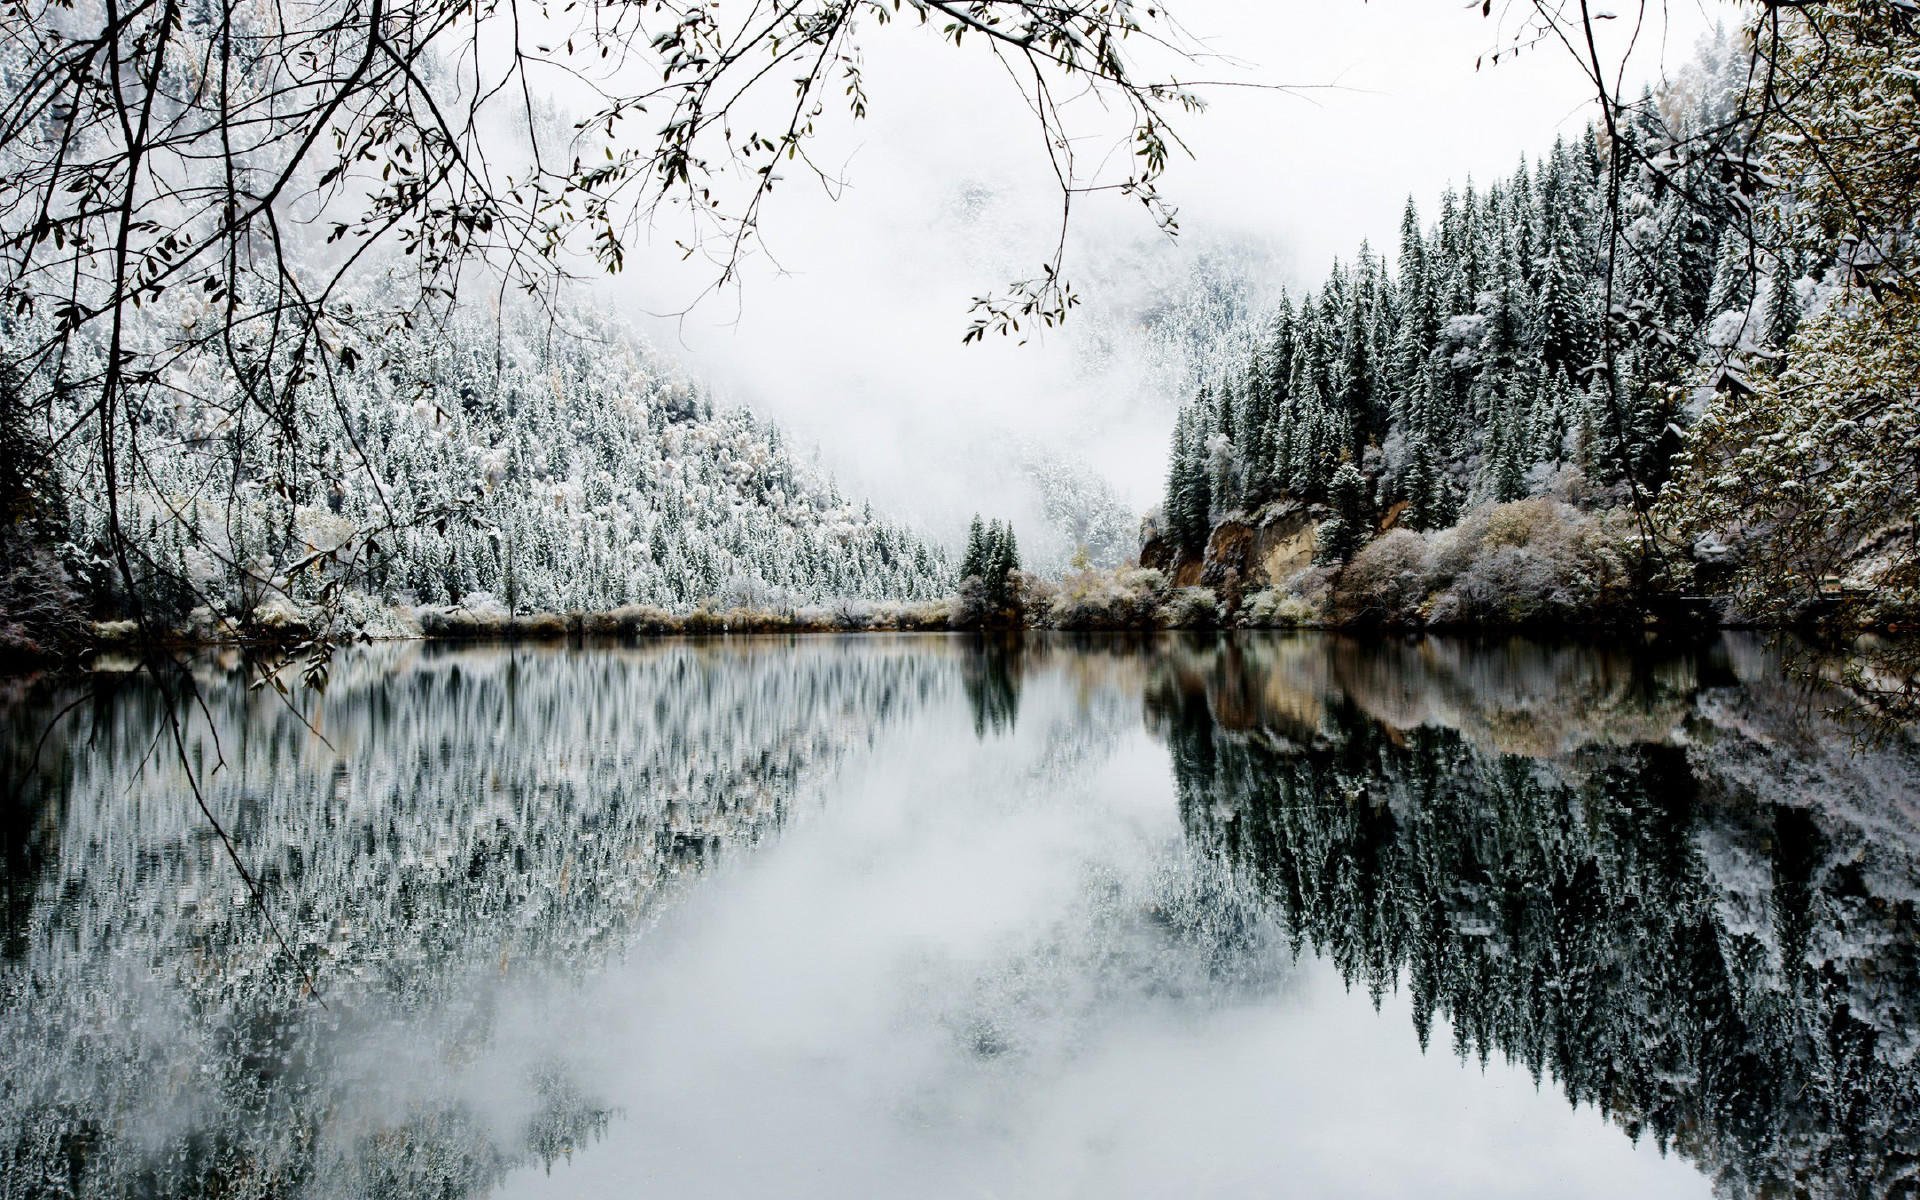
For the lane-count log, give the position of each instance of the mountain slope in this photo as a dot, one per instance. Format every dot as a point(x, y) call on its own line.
point(541, 463)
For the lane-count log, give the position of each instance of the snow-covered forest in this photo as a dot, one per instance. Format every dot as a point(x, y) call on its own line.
point(1459, 372)
point(290, 345)
point(515, 462)
point(1175, 850)
point(1682, 339)
point(1600, 331)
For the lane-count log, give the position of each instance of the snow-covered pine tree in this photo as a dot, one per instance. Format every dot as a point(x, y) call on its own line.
point(1782, 315)
point(973, 564)
point(1468, 372)
point(1342, 535)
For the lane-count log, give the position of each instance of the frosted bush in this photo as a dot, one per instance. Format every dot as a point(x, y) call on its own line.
point(358, 614)
point(746, 591)
point(1508, 585)
point(852, 614)
point(1128, 598)
point(1386, 583)
point(1191, 608)
point(280, 615)
point(204, 572)
point(482, 604)
point(41, 613)
point(1276, 608)
point(1729, 329)
point(1029, 597)
point(317, 528)
point(969, 609)
point(1531, 562)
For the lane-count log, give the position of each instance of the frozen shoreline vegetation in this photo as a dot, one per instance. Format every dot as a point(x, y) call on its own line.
point(1535, 565)
point(1527, 565)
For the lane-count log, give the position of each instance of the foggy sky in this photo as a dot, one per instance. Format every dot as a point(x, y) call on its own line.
point(852, 339)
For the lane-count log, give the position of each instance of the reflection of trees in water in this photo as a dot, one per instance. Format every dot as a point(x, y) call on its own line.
point(1732, 970)
point(469, 814)
point(1870, 685)
point(1653, 875)
point(991, 668)
point(35, 770)
point(1513, 696)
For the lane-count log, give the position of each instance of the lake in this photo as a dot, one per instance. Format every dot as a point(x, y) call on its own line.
point(933, 916)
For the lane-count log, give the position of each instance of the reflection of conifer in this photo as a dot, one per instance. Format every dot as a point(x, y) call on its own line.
point(691, 757)
point(991, 674)
point(1565, 919)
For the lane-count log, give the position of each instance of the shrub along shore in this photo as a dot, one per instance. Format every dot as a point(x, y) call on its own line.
point(1531, 565)
point(1129, 599)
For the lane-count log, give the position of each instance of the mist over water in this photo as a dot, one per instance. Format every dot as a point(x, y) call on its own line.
point(937, 916)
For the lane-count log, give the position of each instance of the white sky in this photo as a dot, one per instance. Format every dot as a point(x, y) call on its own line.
point(856, 346)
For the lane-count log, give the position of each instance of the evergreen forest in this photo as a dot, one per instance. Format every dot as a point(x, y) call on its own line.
point(1637, 336)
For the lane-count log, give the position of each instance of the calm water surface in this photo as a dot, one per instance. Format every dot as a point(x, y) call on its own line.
point(930, 917)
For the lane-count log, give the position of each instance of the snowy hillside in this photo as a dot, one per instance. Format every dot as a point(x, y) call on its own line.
point(537, 464)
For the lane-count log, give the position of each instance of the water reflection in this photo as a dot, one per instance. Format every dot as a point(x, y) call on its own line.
point(946, 888)
point(992, 672)
point(1632, 873)
point(440, 818)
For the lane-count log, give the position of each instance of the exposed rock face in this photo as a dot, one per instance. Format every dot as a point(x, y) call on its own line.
point(1157, 551)
point(1283, 543)
point(1243, 553)
point(1229, 557)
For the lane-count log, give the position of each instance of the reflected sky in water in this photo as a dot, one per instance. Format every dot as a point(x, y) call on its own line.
point(929, 916)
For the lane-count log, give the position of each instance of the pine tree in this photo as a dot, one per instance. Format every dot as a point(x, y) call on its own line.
point(1224, 459)
point(1002, 559)
point(1509, 457)
point(1189, 499)
point(1356, 393)
point(973, 564)
point(1256, 420)
point(1732, 276)
point(1420, 479)
point(1342, 536)
point(1783, 308)
point(1562, 339)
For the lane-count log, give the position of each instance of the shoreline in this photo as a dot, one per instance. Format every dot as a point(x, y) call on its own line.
point(933, 618)
point(1093, 606)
